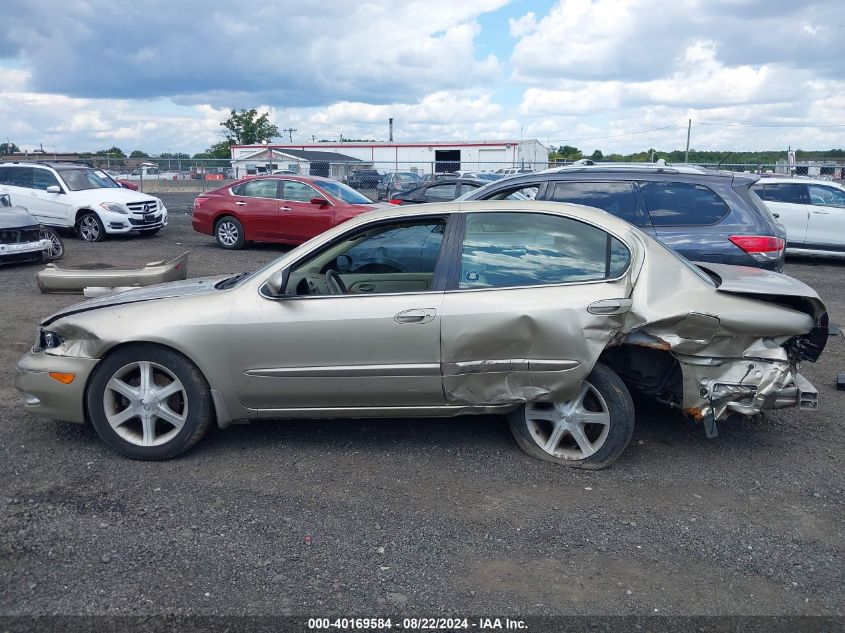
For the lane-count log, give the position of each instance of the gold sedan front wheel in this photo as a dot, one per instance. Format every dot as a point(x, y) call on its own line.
point(149, 402)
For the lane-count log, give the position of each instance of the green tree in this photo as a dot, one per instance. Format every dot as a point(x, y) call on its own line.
point(138, 154)
point(9, 148)
point(218, 150)
point(247, 128)
point(112, 151)
point(174, 155)
point(597, 155)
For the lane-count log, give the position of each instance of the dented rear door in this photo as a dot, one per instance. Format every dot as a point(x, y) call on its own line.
point(533, 299)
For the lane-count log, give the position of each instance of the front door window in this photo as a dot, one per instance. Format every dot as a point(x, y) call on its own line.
point(392, 258)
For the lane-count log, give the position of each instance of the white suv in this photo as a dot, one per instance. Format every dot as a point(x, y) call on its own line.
point(79, 196)
point(811, 211)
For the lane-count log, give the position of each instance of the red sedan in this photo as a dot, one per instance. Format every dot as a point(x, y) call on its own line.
point(282, 209)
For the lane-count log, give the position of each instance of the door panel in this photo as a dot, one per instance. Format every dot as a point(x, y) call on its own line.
point(54, 207)
point(789, 202)
point(337, 351)
point(523, 344)
point(260, 217)
point(794, 218)
point(258, 208)
point(299, 219)
point(517, 324)
point(826, 222)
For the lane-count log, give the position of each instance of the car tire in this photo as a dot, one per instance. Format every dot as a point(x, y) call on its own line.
point(115, 393)
point(229, 233)
point(150, 233)
point(561, 432)
point(57, 246)
point(90, 228)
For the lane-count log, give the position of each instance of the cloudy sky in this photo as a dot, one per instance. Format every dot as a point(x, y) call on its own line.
point(618, 75)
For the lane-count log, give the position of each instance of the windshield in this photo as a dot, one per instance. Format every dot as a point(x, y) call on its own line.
point(406, 177)
point(80, 179)
point(343, 192)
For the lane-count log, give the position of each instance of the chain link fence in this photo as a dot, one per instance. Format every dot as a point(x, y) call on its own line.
point(175, 174)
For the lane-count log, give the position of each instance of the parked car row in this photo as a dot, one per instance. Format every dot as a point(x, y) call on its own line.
point(588, 256)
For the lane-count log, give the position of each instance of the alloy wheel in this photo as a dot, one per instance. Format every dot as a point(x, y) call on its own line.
point(227, 233)
point(145, 403)
point(573, 430)
point(56, 249)
point(89, 228)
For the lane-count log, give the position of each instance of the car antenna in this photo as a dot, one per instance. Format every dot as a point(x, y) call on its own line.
point(727, 156)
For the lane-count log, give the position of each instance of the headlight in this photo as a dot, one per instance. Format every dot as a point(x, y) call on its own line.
point(114, 207)
point(48, 340)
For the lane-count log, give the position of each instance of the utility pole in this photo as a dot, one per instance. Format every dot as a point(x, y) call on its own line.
point(689, 129)
point(290, 131)
point(313, 138)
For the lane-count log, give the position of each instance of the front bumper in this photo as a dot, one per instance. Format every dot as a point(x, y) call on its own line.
point(116, 223)
point(26, 247)
point(44, 396)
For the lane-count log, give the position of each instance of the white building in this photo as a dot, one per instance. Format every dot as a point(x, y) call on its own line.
point(420, 157)
point(264, 159)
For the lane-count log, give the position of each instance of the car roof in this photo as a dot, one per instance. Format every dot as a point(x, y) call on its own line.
point(306, 179)
point(54, 164)
point(780, 180)
point(576, 211)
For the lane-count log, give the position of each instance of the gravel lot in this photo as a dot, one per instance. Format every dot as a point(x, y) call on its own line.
point(424, 517)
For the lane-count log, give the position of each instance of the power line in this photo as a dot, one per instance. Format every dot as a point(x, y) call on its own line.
point(596, 138)
point(784, 125)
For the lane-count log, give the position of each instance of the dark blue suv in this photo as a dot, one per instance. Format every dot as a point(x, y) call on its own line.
point(705, 215)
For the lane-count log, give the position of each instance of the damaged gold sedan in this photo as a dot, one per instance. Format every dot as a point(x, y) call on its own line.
point(550, 313)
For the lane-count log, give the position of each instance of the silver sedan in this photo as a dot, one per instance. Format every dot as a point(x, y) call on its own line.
point(550, 313)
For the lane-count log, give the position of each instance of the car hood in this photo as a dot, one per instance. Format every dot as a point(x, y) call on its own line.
point(148, 293)
point(15, 217)
point(756, 281)
point(111, 194)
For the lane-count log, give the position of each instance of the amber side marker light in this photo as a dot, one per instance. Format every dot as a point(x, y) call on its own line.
point(63, 378)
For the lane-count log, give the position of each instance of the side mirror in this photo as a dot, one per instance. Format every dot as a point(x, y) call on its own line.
point(54, 189)
point(320, 201)
point(277, 282)
point(343, 263)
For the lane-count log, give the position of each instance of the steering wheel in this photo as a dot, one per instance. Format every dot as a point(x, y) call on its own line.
point(335, 283)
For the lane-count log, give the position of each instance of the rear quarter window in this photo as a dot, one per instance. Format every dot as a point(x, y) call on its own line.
point(682, 204)
point(792, 193)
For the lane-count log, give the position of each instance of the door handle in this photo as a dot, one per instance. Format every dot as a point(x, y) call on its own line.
point(285, 209)
point(424, 315)
point(821, 212)
point(366, 287)
point(610, 306)
point(240, 204)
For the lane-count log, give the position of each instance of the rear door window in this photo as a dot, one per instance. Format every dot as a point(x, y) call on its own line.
point(682, 204)
point(792, 193)
point(20, 177)
point(261, 188)
point(528, 249)
point(466, 187)
point(520, 192)
point(440, 193)
point(617, 198)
